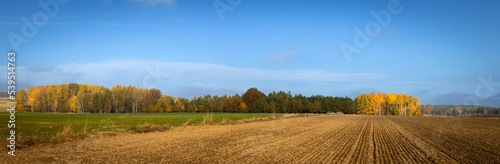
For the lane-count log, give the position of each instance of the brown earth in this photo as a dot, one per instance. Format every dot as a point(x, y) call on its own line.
point(314, 139)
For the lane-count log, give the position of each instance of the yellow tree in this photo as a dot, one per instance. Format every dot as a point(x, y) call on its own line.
point(243, 107)
point(21, 100)
point(412, 105)
point(50, 97)
point(377, 101)
point(74, 104)
point(411, 109)
point(63, 94)
point(57, 97)
point(373, 99)
point(168, 108)
point(407, 102)
point(364, 103)
point(417, 104)
point(401, 101)
point(43, 101)
point(84, 97)
point(418, 113)
point(383, 101)
point(392, 101)
point(33, 93)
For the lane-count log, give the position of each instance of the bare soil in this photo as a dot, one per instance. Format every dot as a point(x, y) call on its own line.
point(314, 139)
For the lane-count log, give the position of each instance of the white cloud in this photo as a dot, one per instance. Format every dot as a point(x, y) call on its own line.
point(189, 70)
point(135, 72)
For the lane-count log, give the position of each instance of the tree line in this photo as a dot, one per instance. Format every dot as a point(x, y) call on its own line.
point(464, 110)
point(83, 98)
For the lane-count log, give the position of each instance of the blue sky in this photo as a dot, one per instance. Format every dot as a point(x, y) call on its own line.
point(436, 50)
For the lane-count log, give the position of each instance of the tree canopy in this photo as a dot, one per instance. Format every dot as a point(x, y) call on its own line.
point(388, 104)
point(83, 98)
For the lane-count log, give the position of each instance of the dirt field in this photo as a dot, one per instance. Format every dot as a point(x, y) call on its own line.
point(315, 139)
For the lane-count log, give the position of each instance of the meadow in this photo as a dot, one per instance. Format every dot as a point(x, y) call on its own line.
point(49, 127)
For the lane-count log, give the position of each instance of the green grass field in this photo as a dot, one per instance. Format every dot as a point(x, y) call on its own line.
point(44, 127)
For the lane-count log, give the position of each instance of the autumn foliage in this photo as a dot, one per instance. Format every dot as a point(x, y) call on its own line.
point(83, 98)
point(388, 104)
point(252, 95)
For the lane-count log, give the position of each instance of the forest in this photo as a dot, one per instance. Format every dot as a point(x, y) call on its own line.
point(464, 110)
point(83, 98)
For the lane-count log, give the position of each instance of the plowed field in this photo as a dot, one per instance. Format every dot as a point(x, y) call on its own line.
point(314, 139)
